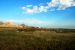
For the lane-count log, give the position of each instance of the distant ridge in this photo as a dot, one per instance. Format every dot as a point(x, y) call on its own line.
point(12, 24)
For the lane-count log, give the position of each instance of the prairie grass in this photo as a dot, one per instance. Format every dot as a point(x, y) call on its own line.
point(12, 40)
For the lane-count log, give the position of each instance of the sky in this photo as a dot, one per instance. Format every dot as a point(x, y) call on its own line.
point(41, 13)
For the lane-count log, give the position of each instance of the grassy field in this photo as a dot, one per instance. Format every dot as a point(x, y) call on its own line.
point(13, 40)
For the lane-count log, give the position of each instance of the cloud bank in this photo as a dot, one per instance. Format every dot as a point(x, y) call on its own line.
point(54, 4)
point(61, 4)
point(32, 22)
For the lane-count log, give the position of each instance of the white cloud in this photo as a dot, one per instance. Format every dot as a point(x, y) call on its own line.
point(35, 9)
point(54, 4)
point(67, 3)
point(29, 5)
point(30, 11)
point(43, 8)
point(61, 4)
point(23, 8)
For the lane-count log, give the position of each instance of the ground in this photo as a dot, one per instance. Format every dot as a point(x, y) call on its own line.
point(13, 40)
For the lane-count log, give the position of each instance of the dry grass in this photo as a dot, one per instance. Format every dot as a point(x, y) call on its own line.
point(12, 40)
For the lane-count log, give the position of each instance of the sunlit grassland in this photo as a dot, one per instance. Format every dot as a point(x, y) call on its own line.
point(37, 40)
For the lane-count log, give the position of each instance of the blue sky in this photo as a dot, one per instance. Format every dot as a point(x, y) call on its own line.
point(42, 13)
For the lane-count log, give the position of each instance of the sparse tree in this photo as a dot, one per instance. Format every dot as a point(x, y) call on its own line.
point(23, 25)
